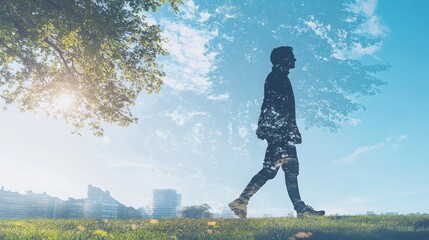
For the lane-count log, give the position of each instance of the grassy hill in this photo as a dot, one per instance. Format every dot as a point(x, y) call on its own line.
point(332, 227)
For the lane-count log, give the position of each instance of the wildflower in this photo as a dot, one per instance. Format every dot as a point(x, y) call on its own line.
point(133, 227)
point(213, 223)
point(209, 231)
point(101, 232)
point(153, 221)
point(81, 228)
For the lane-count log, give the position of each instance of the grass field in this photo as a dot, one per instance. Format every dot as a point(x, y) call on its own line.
point(348, 228)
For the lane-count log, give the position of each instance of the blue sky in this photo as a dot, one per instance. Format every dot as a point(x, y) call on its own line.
point(197, 134)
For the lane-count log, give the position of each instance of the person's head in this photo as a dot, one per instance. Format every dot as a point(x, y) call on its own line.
point(283, 58)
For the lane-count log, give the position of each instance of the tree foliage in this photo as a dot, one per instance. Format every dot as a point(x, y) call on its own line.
point(197, 211)
point(97, 55)
point(329, 38)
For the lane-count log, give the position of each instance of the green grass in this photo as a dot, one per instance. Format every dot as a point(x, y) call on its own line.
point(347, 228)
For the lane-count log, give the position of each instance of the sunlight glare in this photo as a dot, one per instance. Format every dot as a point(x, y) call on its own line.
point(64, 102)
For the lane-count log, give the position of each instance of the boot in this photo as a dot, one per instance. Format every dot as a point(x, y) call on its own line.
point(239, 207)
point(304, 210)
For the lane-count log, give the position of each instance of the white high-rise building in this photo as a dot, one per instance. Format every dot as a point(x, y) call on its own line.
point(163, 203)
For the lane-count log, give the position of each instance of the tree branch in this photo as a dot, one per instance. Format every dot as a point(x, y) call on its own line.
point(72, 61)
point(14, 52)
point(60, 52)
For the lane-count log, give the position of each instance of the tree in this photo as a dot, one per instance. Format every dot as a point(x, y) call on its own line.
point(84, 61)
point(328, 37)
point(197, 211)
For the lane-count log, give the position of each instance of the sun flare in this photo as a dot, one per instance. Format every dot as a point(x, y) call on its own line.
point(64, 102)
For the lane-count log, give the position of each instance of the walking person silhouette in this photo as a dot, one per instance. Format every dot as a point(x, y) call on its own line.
point(277, 125)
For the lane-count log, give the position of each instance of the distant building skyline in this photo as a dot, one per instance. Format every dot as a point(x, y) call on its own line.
point(98, 204)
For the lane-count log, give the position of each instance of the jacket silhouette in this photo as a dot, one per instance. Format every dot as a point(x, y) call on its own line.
point(277, 121)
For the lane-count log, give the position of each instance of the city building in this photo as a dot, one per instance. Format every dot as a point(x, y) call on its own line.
point(392, 214)
point(12, 205)
point(99, 204)
point(163, 203)
point(44, 206)
point(75, 208)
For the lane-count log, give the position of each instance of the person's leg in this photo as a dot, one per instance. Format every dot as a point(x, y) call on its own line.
point(257, 182)
point(269, 171)
point(239, 205)
point(291, 168)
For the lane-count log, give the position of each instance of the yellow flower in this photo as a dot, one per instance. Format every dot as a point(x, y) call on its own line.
point(18, 223)
point(153, 221)
point(209, 231)
point(101, 232)
point(133, 227)
point(213, 223)
point(80, 228)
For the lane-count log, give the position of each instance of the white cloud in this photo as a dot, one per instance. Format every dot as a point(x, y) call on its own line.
point(243, 133)
point(355, 121)
point(240, 147)
point(219, 97)
point(188, 9)
point(402, 137)
point(356, 51)
point(319, 28)
point(228, 38)
point(150, 20)
point(227, 12)
point(342, 50)
point(180, 116)
point(197, 134)
point(371, 27)
point(162, 134)
point(240, 150)
point(367, 7)
point(204, 16)
point(190, 60)
point(396, 138)
point(361, 152)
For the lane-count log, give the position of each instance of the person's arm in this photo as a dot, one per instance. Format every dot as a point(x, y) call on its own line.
point(294, 134)
point(268, 118)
